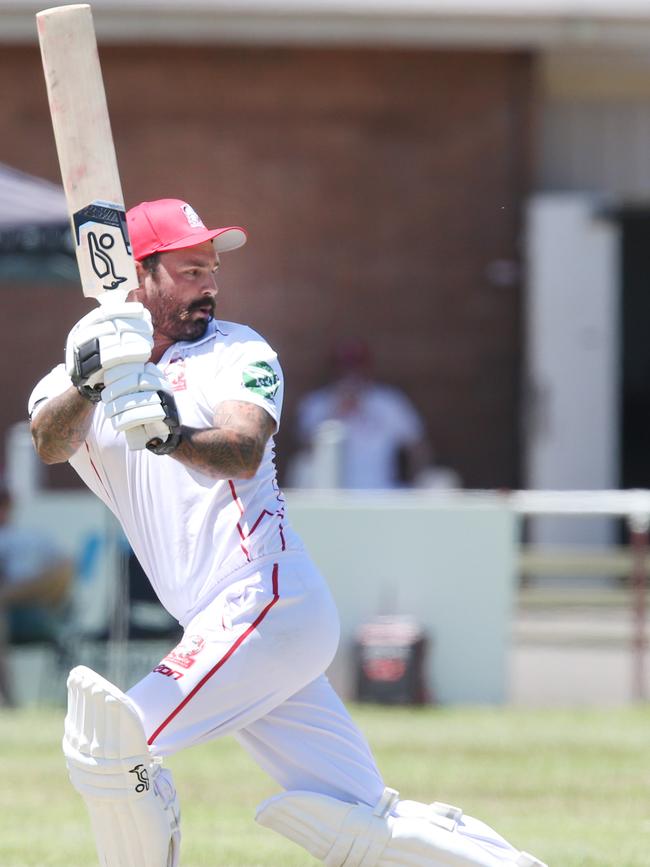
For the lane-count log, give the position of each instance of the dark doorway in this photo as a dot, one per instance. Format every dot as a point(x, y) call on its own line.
point(635, 342)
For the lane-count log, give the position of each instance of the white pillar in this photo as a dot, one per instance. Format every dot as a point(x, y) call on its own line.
point(573, 356)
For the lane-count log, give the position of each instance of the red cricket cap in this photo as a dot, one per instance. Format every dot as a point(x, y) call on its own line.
point(171, 224)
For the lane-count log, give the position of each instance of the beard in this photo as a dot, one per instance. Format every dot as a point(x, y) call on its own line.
point(182, 321)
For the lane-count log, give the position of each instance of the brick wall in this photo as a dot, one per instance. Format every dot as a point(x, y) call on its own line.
point(377, 187)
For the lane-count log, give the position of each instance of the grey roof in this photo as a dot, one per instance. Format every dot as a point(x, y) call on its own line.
point(498, 23)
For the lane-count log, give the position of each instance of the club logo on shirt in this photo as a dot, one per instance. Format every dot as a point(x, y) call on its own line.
point(183, 654)
point(261, 379)
point(175, 374)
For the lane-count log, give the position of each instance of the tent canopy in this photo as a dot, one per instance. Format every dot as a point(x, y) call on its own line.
point(29, 201)
point(35, 241)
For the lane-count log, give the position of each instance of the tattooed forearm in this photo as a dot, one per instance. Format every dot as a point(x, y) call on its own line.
point(233, 448)
point(61, 426)
point(221, 454)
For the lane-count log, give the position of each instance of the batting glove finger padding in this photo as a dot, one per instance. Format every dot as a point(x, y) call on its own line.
point(132, 378)
point(132, 410)
point(104, 338)
point(138, 400)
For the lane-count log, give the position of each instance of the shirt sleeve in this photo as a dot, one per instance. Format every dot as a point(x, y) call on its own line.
point(251, 373)
point(56, 382)
point(407, 423)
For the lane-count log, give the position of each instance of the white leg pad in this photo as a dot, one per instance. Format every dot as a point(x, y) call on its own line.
point(131, 799)
point(394, 834)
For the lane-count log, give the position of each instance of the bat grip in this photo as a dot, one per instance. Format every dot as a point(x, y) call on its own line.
point(113, 298)
point(137, 438)
point(150, 433)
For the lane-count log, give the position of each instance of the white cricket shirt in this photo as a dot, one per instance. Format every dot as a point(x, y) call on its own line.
point(188, 531)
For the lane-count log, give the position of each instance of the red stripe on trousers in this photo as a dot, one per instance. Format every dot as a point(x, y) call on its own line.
point(241, 515)
point(224, 658)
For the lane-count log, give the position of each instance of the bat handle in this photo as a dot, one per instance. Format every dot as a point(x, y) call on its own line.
point(137, 438)
point(113, 298)
point(140, 437)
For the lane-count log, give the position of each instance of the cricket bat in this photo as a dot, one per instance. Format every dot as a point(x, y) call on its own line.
point(91, 180)
point(86, 152)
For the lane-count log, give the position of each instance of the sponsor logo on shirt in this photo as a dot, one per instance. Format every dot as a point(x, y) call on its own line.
point(261, 379)
point(168, 672)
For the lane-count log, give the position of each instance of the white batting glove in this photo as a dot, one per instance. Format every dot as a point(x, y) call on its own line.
point(106, 337)
point(139, 402)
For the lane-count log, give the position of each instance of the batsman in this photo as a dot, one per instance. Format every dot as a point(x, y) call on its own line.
point(168, 415)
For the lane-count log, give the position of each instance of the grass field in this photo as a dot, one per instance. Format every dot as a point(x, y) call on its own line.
point(570, 786)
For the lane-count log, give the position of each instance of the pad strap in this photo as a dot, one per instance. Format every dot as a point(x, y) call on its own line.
point(444, 815)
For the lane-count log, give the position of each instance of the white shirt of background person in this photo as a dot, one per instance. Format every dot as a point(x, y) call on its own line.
point(376, 421)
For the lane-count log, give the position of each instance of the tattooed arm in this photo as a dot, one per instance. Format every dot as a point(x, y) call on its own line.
point(233, 448)
point(61, 426)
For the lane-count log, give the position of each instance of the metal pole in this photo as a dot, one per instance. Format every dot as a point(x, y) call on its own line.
point(118, 627)
point(638, 527)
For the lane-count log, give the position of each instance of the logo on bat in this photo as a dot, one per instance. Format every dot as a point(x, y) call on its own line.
point(142, 775)
point(101, 244)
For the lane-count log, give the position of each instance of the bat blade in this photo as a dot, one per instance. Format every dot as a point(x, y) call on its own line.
point(86, 152)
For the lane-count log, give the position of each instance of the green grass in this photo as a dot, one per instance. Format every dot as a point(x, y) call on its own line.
point(569, 786)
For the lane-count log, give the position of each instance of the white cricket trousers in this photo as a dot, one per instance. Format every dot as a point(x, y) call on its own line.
point(251, 664)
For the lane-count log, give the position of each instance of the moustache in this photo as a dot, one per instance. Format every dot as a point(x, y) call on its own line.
point(201, 304)
point(197, 306)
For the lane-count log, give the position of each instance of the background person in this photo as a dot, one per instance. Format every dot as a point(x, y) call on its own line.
point(383, 441)
point(35, 582)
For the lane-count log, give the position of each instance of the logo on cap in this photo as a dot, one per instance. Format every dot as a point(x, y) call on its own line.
point(193, 218)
